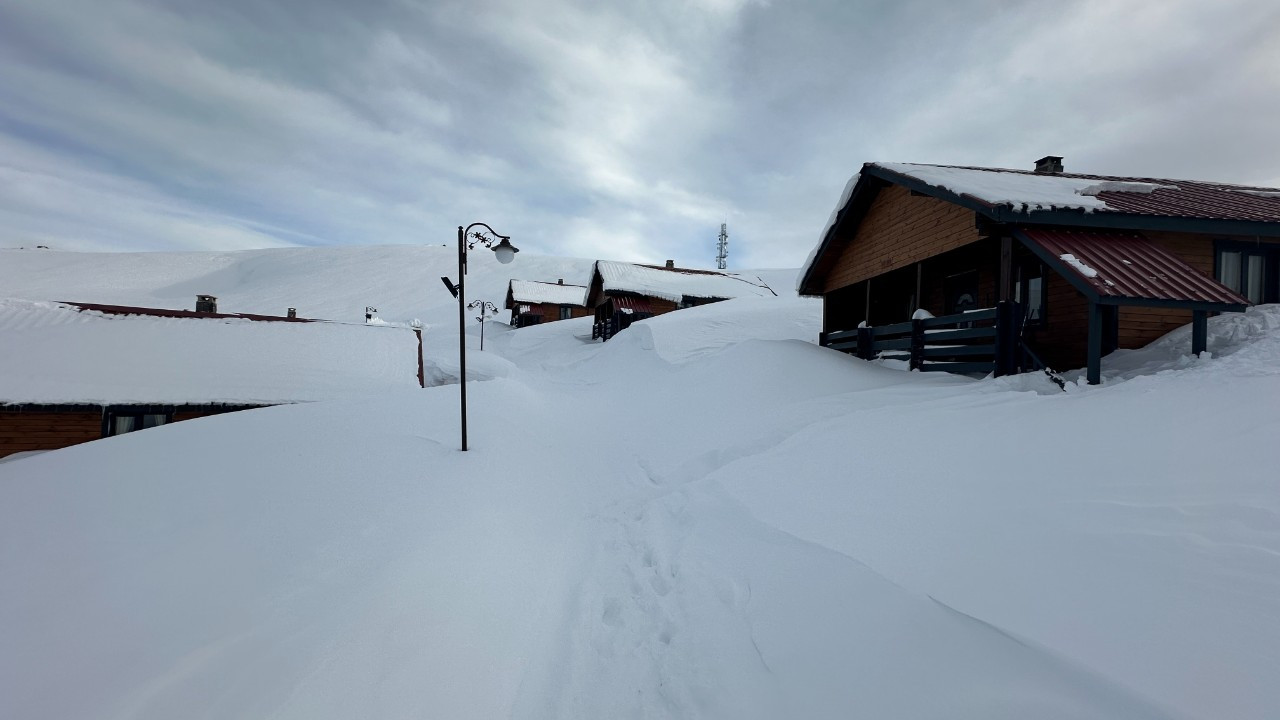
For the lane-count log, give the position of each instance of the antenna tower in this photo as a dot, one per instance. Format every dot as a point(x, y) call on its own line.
point(722, 247)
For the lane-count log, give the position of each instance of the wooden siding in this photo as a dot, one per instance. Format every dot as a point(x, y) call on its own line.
point(898, 230)
point(23, 431)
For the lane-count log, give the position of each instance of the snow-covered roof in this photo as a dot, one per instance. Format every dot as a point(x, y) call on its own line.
point(1029, 196)
point(1029, 191)
point(533, 291)
point(675, 284)
point(1023, 190)
point(52, 353)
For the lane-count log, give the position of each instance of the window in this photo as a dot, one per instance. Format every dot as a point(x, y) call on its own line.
point(1032, 291)
point(1249, 270)
point(566, 312)
point(120, 422)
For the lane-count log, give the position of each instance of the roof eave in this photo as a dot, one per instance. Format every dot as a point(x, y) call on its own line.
point(858, 200)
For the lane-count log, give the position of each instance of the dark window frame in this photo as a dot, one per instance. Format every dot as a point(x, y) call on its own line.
point(1270, 254)
point(112, 413)
point(1024, 291)
point(566, 312)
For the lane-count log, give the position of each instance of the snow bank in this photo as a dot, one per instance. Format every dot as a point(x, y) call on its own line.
point(708, 516)
point(52, 353)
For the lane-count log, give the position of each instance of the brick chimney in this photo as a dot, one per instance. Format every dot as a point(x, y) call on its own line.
point(206, 303)
point(1049, 165)
point(671, 264)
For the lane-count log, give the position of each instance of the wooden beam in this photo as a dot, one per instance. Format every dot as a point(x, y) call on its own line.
point(1093, 371)
point(1004, 292)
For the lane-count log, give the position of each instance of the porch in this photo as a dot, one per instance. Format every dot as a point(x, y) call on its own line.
point(1024, 299)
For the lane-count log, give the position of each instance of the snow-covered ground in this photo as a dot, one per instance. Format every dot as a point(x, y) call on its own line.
point(708, 516)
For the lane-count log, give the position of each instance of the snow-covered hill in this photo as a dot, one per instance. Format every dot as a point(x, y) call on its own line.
point(708, 517)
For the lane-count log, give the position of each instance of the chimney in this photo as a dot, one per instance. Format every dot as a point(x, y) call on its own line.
point(1049, 165)
point(560, 281)
point(293, 312)
point(671, 264)
point(206, 303)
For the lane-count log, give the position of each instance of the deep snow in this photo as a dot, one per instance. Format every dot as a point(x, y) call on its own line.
point(708, 516)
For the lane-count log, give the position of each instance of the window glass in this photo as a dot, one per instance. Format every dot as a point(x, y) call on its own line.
point(1035, 299)
point(124, 424)
point(565, 312)
point(1229, 269)
point(1253, 279)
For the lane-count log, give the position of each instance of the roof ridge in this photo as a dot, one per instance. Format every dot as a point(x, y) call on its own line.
point(1085, 176)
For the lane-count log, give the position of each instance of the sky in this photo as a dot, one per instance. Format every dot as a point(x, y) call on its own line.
point(611, 130)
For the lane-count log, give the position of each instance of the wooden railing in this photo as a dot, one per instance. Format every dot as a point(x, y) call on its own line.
point(979, 341)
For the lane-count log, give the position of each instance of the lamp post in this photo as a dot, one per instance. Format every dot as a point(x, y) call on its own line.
point(505, 252)
point(487, 310)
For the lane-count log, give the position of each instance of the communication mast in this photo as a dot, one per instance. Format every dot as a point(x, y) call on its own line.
point(722, 247)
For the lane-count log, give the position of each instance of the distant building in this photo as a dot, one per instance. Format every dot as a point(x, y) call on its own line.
point(1086, 263)
point(75, 372)
point(532, 302)
point(622, 293)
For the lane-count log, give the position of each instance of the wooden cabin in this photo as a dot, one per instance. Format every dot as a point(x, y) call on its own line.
point(1092, 262)
point(623, 293)
point(76, 372)
point(532, 302)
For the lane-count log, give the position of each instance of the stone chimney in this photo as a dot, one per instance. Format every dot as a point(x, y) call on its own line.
point(671, 264)
point(1049, 165)
point(206, 303)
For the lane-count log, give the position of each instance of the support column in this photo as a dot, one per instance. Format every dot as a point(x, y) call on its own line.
point(1199, 331)
point(1093, 370)
point(1005, 291)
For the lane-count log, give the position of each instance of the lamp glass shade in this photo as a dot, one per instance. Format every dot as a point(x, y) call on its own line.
point(505, 251)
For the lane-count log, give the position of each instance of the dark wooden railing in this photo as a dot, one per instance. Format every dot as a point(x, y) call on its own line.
point(980, 341)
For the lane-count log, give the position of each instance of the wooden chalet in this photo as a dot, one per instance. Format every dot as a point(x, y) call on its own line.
point(75, 372)
point(532, 302)
point(622, 293)
point(1029, 269)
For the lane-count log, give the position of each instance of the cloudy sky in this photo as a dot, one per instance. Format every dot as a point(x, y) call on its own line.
point(623, 130)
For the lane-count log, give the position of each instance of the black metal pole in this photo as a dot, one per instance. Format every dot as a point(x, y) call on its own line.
point(481, 328)
point(462, 330)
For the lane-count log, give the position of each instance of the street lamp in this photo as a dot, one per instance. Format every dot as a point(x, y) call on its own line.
point(487, 310)
point(505, 252)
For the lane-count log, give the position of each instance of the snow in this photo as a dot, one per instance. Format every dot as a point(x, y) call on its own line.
point(1142, 188)
point(530, 291)
point(52, 353)
point(675, 285)
point(1021, 191)
point(1080, 267)
point(735, 523)
point(845, 195)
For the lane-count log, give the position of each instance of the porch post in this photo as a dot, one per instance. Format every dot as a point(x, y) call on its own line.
point(1199, 331)
point(1094, 369)
point(1004, 292)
